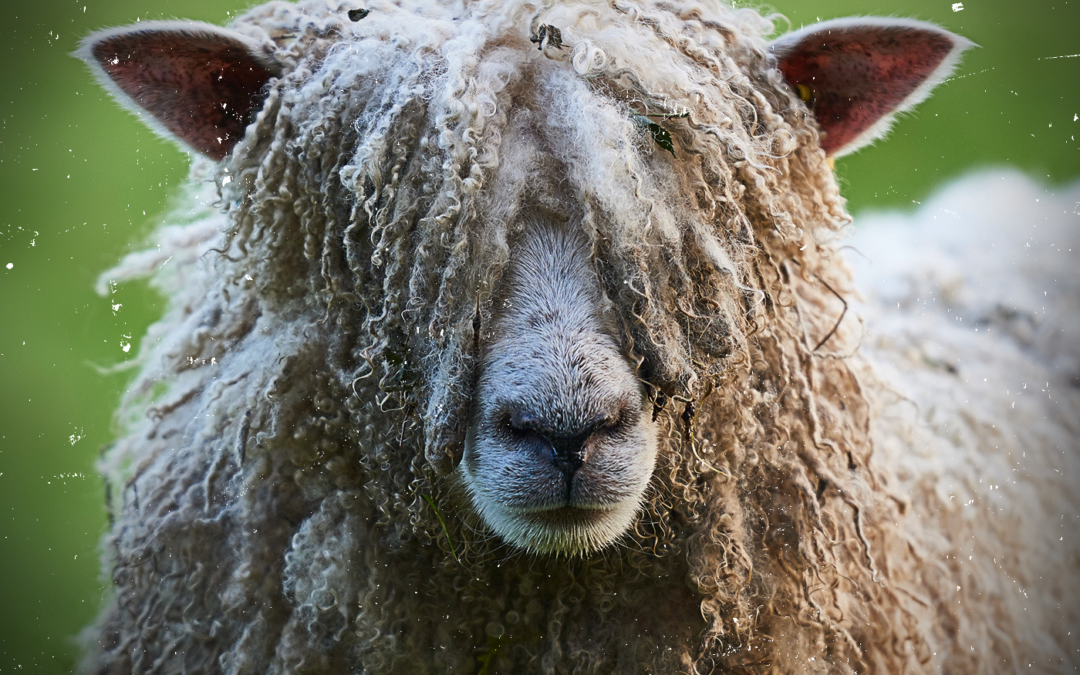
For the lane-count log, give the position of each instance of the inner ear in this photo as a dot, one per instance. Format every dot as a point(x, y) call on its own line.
point(856, 74)
point(200, 84)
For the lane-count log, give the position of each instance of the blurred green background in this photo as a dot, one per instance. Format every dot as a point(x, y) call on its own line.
point(82, 183)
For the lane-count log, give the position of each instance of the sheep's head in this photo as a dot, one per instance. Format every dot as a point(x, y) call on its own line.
point(558, 368)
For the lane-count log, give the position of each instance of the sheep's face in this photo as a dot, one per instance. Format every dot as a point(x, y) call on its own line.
point(560, 447)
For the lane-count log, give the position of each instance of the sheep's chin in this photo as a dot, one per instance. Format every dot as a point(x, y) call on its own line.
point(566, 530)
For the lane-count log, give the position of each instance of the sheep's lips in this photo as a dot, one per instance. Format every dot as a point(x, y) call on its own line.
point(568, 530)
point(532, 510)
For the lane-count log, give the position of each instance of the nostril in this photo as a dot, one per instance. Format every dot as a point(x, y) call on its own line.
point(522, 422)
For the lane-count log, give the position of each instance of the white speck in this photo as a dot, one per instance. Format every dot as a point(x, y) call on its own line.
point(957, 6)
point(226, 180)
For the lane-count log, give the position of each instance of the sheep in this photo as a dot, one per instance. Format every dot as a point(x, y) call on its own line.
point(507, 337)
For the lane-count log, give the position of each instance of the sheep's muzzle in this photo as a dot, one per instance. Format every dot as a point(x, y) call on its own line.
point(559, 449)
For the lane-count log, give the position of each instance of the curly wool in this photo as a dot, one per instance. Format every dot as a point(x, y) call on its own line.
point(285, 499)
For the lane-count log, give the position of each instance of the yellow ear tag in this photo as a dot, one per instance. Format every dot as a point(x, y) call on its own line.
point(831, 163)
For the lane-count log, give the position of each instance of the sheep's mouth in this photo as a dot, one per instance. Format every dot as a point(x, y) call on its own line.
point(559, 510)
point(569, 529)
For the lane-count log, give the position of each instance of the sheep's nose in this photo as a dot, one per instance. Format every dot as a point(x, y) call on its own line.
point(566, 443)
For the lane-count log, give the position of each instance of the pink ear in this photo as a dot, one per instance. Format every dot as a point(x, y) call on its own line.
point(201, 84)
point(858, 73)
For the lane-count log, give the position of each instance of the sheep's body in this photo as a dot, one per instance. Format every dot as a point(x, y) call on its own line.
point(973, 323)
point(286, 499)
